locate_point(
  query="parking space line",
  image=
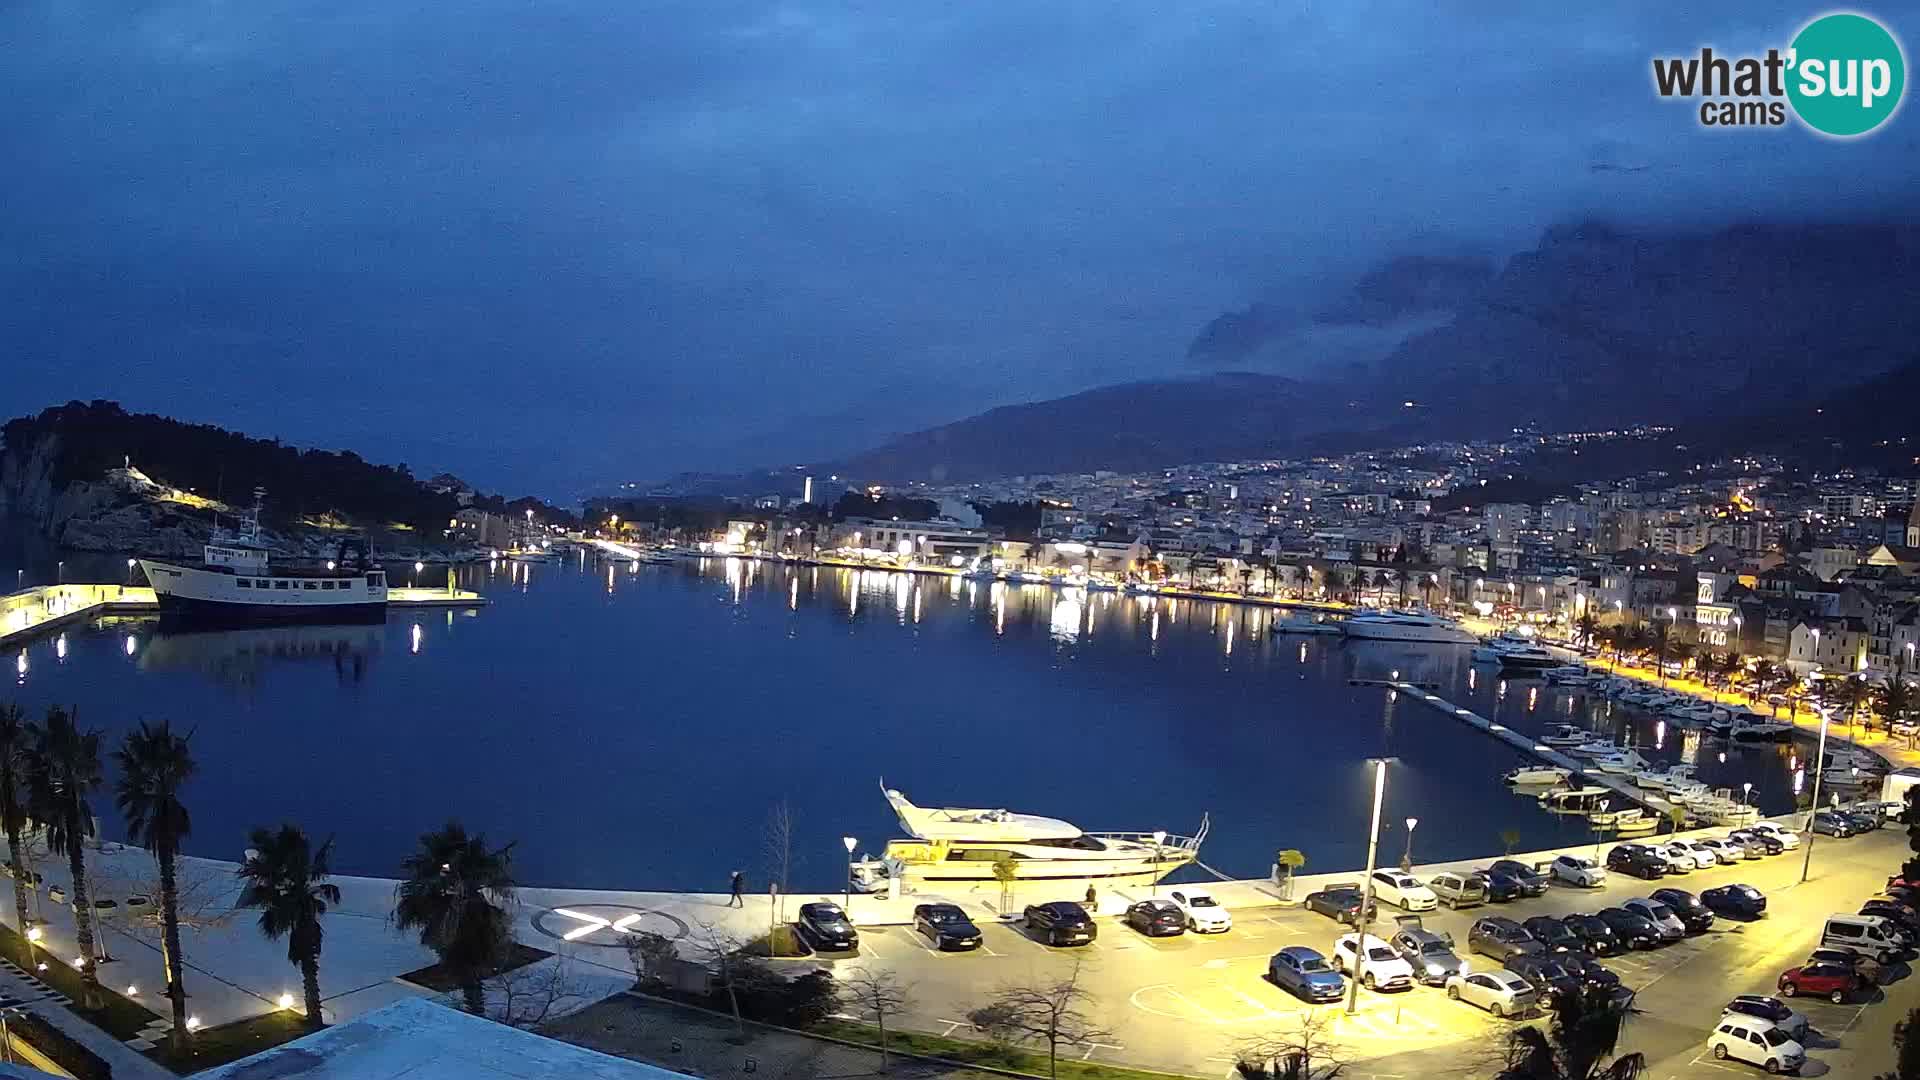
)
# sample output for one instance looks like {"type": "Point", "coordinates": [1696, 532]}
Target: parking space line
{"type": "Point", "coordinates": [1195, 1006]}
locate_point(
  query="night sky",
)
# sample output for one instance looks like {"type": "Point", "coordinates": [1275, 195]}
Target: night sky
{"type": "Point", "coordinates": [555, 245]}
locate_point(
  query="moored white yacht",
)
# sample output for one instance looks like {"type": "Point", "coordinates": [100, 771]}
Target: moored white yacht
{"type": "Point", "coordinates": [1568, 735]}
{"type": "Point", "coordinates": [235, 582]}
{"type": "Point", "coordinates": [1537, 774]}
{"type": "Point", "coordinates": [1406, 626]}
{"type": "Point", "coordinates": [963, 844]}
{"type": "Point", "coordinates": [1512, 651]}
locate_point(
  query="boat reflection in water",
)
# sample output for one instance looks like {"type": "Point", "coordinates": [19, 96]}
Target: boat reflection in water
{"type": "Point", "coordinates": [240, 657]}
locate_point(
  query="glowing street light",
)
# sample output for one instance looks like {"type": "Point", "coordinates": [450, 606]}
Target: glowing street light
{"type": "Point", "coordinates": [1819, 766]}
{"type": "Point", "coordinates": [1406, 857]}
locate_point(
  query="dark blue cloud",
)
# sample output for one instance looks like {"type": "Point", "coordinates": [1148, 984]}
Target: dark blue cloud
{"type": "Point", "coordinates": [557, 244]}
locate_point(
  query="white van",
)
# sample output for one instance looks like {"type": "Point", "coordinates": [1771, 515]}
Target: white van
{"type": "Point", "coordinates": [1871, 936]}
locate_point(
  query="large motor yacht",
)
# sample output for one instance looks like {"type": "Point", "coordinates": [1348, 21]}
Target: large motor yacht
{"type": "Point", "coordinates": [1406, 626]}
{"type": "Point", "coordinates": [958, 844]}
{"type": "Point", "coordinates": [235, 582]}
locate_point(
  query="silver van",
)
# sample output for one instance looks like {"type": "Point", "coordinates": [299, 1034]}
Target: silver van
{"type": "Point", "coordinates": [1871, 936]}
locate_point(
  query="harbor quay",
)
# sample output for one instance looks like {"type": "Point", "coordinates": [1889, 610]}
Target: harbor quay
{"type": "Point", "coordinates": [1179, 1004]}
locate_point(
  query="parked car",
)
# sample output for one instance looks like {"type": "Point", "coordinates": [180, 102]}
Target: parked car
{"type": "Point", "coordinates": [1670, 925]}
{"type": "Point", "coordinates": [1500, 937]}
{"type": "Point", "coordinates": [1599, 937]}
{"type": "Point", "coordinates": [1728, 851]}
{"type": "Point", "coordinates": [1828, 823]}
{"type": "Point", "coordinates": [1501, 993]}
{"type": "Point", "coordinates": [1869, 935]}
{"type": "Point", "coordinates": [1704, 854]}
{"type": "Point", "coordinates": [1384, 969]}
{"type": "Point", "coordinates": [1061, 922]}
{"type": "Point", "coordinates": [1553, 934]}
{"type": "Point", "coordinates": [945, 926]}
{"type": "Point", "coordinates": [1686, 907]}
{"type": "Point", "coordinates": [1902, 915]}
{"type": "Point", "coordinates": [1835, 982]}
{"type": "Point", "coordinates": [1638, 860]}
{"type": "Point", "coordinates": [1592, 971]}
{"type": "Point", "coordinates": [1157, 918]}
{"type": "Point", "coordinates": [825, 926]}
{"type": "Point", "coordinates": [1501, 887]}
{"type": "Point", "coordinates": [1204, 913]}
{"type": "Point", "coordinates": [1756, 1042]}
{"type": "Point", "coordinates": [1341, 903]}
{"type": "Point", "coordinates": [57, 894]}
{"type": "Point", "coordinates": [1430, 955]}
{"type": "Point", "coordinates": [1861, 820]}
{"type": "Point", "coordinates": [1578, 870]}
{"type": "Point", "coordinates": [1403, 891]}
{"type": "Point", "coordinates": [1765, 842]}
{"type": "Point", "coordinates": [1546, 973]}
{"type": "Point", "coordinates": [1636, 930]}
{"type": "Point", "coordinates": [1869, 968]}
{"type": "Point", "coordinates": [1306, 974]}
{"type": "Point", "coordinates": [1787, 837]}
{"type": "Point", "coordinates": [1742, 901]}
{"type": "Point", "coordinates": [1771, 1009]}
{"type": "Point", "coordinates": [1459, 890]}
{"type": "Point", "coordinates": [1532, 882]}
{"type": "Point", "coordinates": [1679, 853]}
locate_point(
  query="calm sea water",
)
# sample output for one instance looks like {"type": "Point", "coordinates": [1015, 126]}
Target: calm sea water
{"type": "Point", "coordinates": [635, 728]}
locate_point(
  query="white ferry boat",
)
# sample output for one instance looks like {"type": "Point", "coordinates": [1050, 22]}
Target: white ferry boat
{"type": "Point", "coordinates": [1406, 626]}
{"type": "Point", "coordinates": [961, 844]}
{"type": "Point", "coordinates": [235, 582]}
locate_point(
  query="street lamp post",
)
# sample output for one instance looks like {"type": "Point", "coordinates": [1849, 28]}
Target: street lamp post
{"type": "Point", "coordinates": [1363, 919]}
{"type": "Point", "coordinates": [1159, 837]}
{"type": "Point", "coordinates": [1406, 857]}
{"type": "Point", "coordinates": [851, 843]}
{"type": "Point", "coordinates": [1746, 792]}
{"type": "Point", "coordinates": [1819, 766]}
{"type": "Point", "coordinates": [130, 563]}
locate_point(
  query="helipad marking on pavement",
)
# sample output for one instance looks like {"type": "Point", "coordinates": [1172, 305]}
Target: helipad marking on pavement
{"type": "Point", "coordinates": [952, 1025]}
{"type": "Point", "coordinates": [1091, 1047]}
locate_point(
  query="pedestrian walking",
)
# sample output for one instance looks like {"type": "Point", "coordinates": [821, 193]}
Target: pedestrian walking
{"type": "Point", "coordinates": [1093, 898]}
{"type": "Point", "coordinates": [739, 883]}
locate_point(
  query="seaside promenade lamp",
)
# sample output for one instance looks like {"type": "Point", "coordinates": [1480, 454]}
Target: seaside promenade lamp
{"type": "Point", "coordinates": [851, 843]}
{"type": "Point", "coordinates": [1379, 767]}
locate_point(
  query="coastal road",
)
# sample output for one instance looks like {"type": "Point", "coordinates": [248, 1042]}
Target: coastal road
{"type": "Point", "coordinates": [1185, 1003]}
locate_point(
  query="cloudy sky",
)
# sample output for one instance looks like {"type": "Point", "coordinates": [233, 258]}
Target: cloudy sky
{"type": "Point", "coordinates": [555, 244]}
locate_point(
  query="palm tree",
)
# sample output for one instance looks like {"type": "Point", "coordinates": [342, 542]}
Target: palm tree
{"type": "Point", "coordinates": [13, 792]}
{"type": "Point", "coordinates": [452, 894]}
{"type": "Point", "coordinates": [1894, 698]}
{"type": "Point", "coordinates": [1578, 1043]}
{"type": "Point", "coordinates": [155, 764]}
{"type": "Point", "coordinates": [63, 765]}
{"type": "Point", "coordinates": [1332, 580]}
{"type": "Point", "coordinates": [287, 880]}
{"type": "Point", "coordinates": [1586, 626]}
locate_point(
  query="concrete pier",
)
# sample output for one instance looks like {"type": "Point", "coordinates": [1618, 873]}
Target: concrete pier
{"type": "Point", "coordinates": [1541, 751]}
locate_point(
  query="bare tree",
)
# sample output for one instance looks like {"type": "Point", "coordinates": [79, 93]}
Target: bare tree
{"type": "Point", "coordinates": [1040, 1012]}
{"type": "Point", "coordinates": [878, 993]}
{"type": "Point", "coordinates": [652, 955]}
{"type": "Point", "coordinates": [1307, 1051]}
{"type": "Point", "coordinates": [777, 845]}
{"type": "Point", "coordinates": [723, 953]}
{"type": "Point", "coordinates": [206, 893]}
{"type": "Point", "coordinates": [529, 996]}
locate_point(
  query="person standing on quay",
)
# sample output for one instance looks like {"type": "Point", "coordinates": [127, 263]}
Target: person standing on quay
{"type": "Point", "coordinates": [739, 883]}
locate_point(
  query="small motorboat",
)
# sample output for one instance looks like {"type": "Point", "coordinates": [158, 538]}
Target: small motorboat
{"type": "Point", "coordinates": [1624, 761]}
{"type": "Point", "coordinates": [1537, 774]}
{"type": "Point", "coordinates": [1568, 735]}
{"type": "Point", "coordinates": [1595, 748]}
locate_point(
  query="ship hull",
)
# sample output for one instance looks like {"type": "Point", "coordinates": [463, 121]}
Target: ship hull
{"type": "Point", "coordinates": [193, 594]}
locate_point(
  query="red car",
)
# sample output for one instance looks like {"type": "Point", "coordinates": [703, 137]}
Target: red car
{"type": "Point", "coordinates": [1833, 981]}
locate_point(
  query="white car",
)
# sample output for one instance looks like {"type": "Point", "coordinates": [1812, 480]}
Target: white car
{"type": "Point", "coordinates": [1681, 853]}
{"type": "Point", "coordinates": [1499, 991]}
{"type": "Point", "coordinates": [1385, 969]}
{"type": "Point", "coordinates": [1403, 890]}
{"type": "Point", "coordinates": [1578, 870]}
{"type": "Point", "coordinates": [1787, 837]}
{"type": "Point", "coordinates": [1756, 1042]}
{"type": "Point", "coordinates": [1204, 913]}
{"type": "Point", "coordinates": [1706, 854]}
{"type": "Point", "coordinates": [1727, 851]}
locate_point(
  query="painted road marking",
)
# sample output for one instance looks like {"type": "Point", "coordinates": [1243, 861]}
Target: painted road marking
{"type": "Point", "coordinates": [1091, 1047]}
{"type": "Point", "coordinates": [952, 1025]}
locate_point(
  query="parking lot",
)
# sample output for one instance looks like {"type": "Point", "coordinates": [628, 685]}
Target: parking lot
{"type": "Point", "coordinates": [1185, 1003]}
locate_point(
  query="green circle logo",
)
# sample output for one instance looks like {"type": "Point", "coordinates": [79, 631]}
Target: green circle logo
{"type": "Point", "coordinates": [1848, 74]}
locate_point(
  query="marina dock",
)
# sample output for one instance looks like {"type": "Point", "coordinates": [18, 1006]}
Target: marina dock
{"type": "Point", "coordinates": [45, 608]}
{"type": "Point", "coordinates": [1545, 753]}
